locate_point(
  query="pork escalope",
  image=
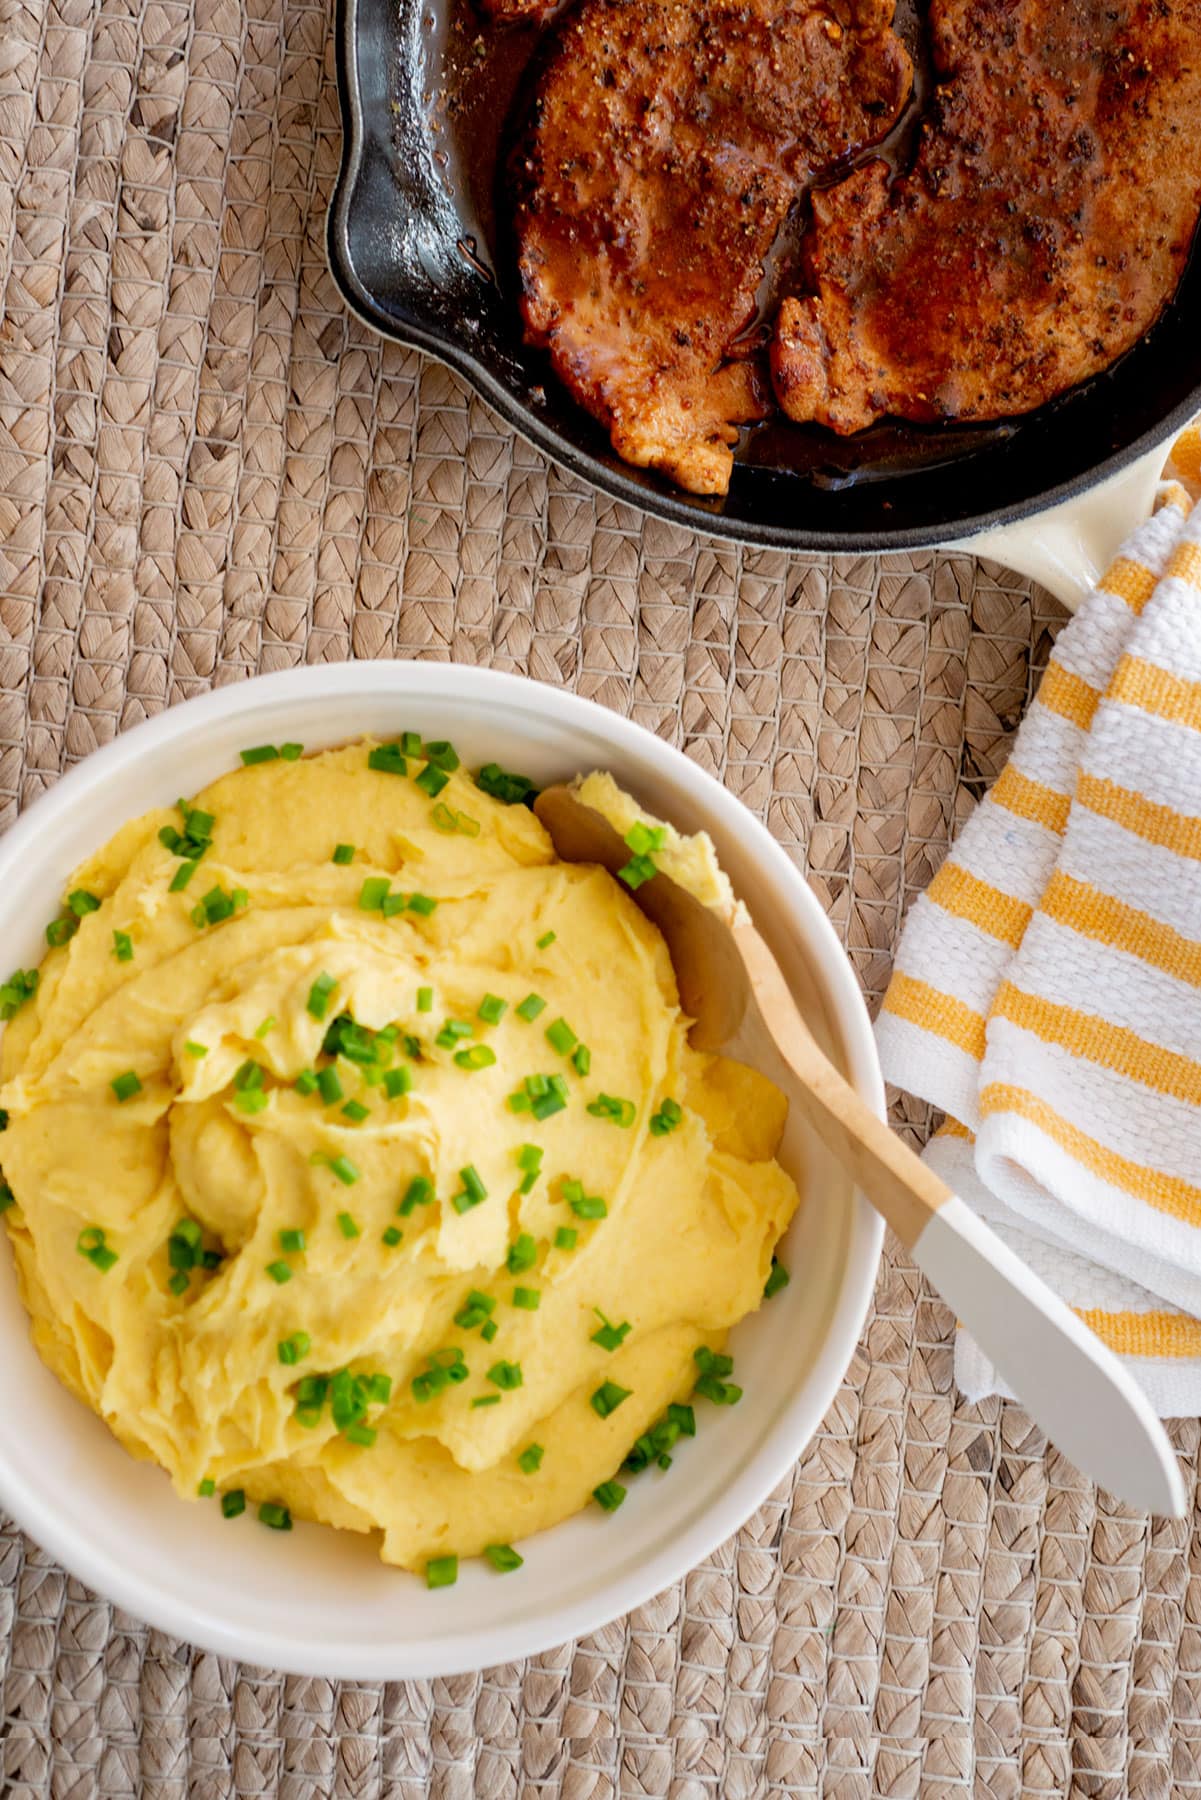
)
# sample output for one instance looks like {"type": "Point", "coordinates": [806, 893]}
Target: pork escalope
{"type": "Point", "coordinates": [667, 141]}
{"type": "Point", "coordinates": [1043, 227]}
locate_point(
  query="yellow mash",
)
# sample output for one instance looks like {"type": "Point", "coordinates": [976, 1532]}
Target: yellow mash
{"type": "Point", "coordinates": [147, 1229]}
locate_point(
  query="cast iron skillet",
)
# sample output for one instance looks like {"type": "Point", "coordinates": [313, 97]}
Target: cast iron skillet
{"type": "Point", "coordinates": [413, 247]}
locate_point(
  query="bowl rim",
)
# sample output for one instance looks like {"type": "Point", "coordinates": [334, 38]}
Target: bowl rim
{"type": "Point", "coordinates": [791, 1432]}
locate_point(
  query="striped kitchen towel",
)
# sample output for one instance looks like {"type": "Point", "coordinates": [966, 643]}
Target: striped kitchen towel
{"type": "Point", "coordinates": [1047, 990]}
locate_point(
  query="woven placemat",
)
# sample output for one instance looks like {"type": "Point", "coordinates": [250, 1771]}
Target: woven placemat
{"type": "Point", "coordinates": [207, 469]}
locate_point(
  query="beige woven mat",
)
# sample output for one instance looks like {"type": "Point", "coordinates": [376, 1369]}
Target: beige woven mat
{"type": "Point", "coordinates": [206, 469]}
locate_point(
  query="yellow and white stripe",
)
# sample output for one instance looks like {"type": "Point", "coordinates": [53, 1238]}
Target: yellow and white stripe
{"type": "Point", "coordinates": [1047, 990]}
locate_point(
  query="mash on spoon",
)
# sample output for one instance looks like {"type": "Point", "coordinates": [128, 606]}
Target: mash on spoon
{"type": "Point", "coordinates": [358, 1167]}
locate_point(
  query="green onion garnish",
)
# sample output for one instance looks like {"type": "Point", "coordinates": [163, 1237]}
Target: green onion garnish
{"type": "Point", "coordinates": [344, 1169]}
{"type": "Point", "coordinates": [207, 1488]}
{"type": "Point", "coordinates": [713, 1367]}
{"type": "Point", "coordinates": [492, 1009]}
{"type": "Point", "coordinates": [279, 1272]}
{"type": "Point", "coordinates": [373, 893]}
{"type": "Point", "coordinates": [320, 995]}
{"type": "Point", "coordinates": [425, 999]}
{"type": "Point", "coordinates": [442, 754]}
{"type": "Point", "coordinates": [248, 1075]}
{"type": "Point", "coordinates": [644, 839]}
{"type": "Point", "coordinates": [486, 1400]}
{"type": "Point", "coordinates": [262, 753]}
{"type": "Point", "coordinates": [329, 1084]}
{"type": "Point", "coordinates": [307, 1082]}
{"type": "Point", "coordinates": [393, 904]}
{"type": "Point", "coordinates": [182, 876]}
{"type": "Point", "coordinates": [277, 1517]}
{"type": "Point", "coordinates": [561, 1037]}
{"type": "Point", "coordinates": [391, 1236]}
{"type": "Point", "coordinates": [398, 1082]}
{"type": "Point", "coordinates": [410, 743]}
{"type": "Point", "coordinates": [488, 1331]}
{"type": "Point", "coordinates": [431, 780]}
{"type": "Point", "coordinates": [364, 1435]}
{"type": "Point", "coordinates": [292, 1348]}
{"type": "Point", "coordinates": [21, 986]}
{"type": "Point", "coordinates": [195, 1049]}
{"type": "Point", "coordinates": [777, 1279]}
{"type": "Point", "coordinates": [589, 1206]}
{"type": "Point", "coordinates": [252, 1100]}
{"type": "Point", "coordinates": [441, 1571]}
{"type": "Point", "coordinates": [528, 1299]}
{"type": "Point", "coordinates": [422, 904]}
{"type": "Point", "coordinates": [523, 1254]}
{"type": "Point", "coordinates": [474, 1310]}
{"type": "Point", "coordinates": [7, 1197]}
{"type": "Point", "coordinates": [530, 1459]}
{"type": "Point", "coordinates": [420, 1192]}
{"type": "Point", "coordinates": [126, 1086]}
{"type": "Point", "coordinates": [442, 1368]}
{"type": "Point", "coordinates": [666, 1119]}
{"type": "Point", "coordinates": [233, 1503]}
{"type": "Point", "coordinates": [92, 1244]}
{"type": "Point", "coordinates": [343, 854]}
{"type": "Point", "coordinates": [470, 1177]}
{"type": "Point", "coordinates": [609, 1106]}
{"type": "Point", "coordinates": [268, 1025]}
{"type": "Point", "coordinates": [122, 946]}
{"type": "Point", "coordinates": [291, 752]}
{"type": "Point", "coordinates": [607, 1398]}
{"type": "Point", "coordinates": [506, 1375]}
{"type": "Point", "coordinates": [356, 1112]}
{"type": "Point", "coordinates": [581, 1059]}
{"type": "Point", "coordinates": [638, 870]}
{"type": "Point", "coordinates": [546, 940]}
{"type": "Point", "coordinates": [609, 1495]}
{"type": "Point", "coordinates": [530, 1007]}
{"type": "Point", "coordinates": [566, 1238]}
{"type": "Point", "coordinates": [503, 785]}
{"type": "Point", "coordinates": [477, 1056]}
{"type": "Point", "coordinates": [291, 1240]}
{"type": "Point", "coordinates": [451, 1032]}
{"type": "Point", "coordinates": [503, 1557]}
{"type": "Point", "coordinates": [609, 1336]}
{"type": "Point", "coordinates": [388, 759]}
{"type": "Point", "coordinates": [60, 932]}
{"type": "Point", "coordinates": [80, 902]}
{"type": "Point", "coordinates": [347, 1226]}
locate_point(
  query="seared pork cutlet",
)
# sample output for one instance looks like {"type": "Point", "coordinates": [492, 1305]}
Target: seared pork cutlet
{"type": "Point", "coordinates": [668, 139]}
{"type": "Point", "coordinates": [1044, 225]}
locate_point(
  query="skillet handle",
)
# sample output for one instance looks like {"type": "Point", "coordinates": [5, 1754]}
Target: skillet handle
{"type": "Point", "coordinates": [1068, 548]}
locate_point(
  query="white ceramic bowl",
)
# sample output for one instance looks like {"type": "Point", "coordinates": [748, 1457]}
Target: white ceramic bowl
{"type": "Point", "coordinates": [316, 1601]}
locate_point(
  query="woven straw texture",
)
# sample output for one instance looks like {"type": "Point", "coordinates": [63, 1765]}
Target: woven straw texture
{"type": "Point", "coordinates": [205, 470]}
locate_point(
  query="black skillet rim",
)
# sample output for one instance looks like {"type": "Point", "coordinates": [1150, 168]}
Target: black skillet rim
{"type": "Point", "coordinates": [626, 489]}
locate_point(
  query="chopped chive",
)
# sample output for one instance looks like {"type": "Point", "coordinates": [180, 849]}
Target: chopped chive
{"type": "Point", "coordinates": [530, 1459]}
{"type": "Point", "coordinates": [642, 839]}
{"type": "Point", "coordinates": [425, 999]}
{"type": "Point", "coordinates": [262, 753]}
{"type": "Point", "coordinates": [589, 1206]}
{"type": "Point", "coordinates": [442, 754]}
{"type": "Point", "coordinates": [474, 1310]}
{"type": "Point", "coordinates": [503, 785]}
{"type": "Point", "coordinates": [398, 1082]}
{"type": "Point", "coordinates": [523, 1254]}
{"type": "Point", "coordinates": [393, 905]}
{"type": "Point", "coordinates": [609, 1495]}
{"type": "Point", "coordinates": [464, 1202]}
{"type": "Point", "coordinates": [60, 932]}
{"type": "Point", "coordinates": [7, 1197]}
{"type": "Point", "coordinates": [320, 995]}
{"type": "Point", "coordinates": [488, 1331]}
{"type": "Point", "coordinates": [420, 1192]}
{"type": "Point", "coordinates": [477, 1056]}
{"type": "Point", "coordinates": [279, 1271]}
{"type": "Point", "coordinates": [80, 902]}
{"type": "Point", "coordinates": [527, 1299]}
{"type": "Point", "coordinates": [291, 1239]}
{"type": "Point", "coordinates": [713, 1367]}
{"type": "Point", "coordinates": [207, 1488]}
{"type": "Point", "coordinates": [21, 986]}
{"type": "Point", "coordinates": [607, 1398]}
{"type": "Point", "coordinates": [179, 1282]}
{"type": "Point", "coordinates": [431, 780]}
{"type": "Point", "coordinates": [344, 1169]}
{"type": "Point", "coordinates": [329, 1084]}
{"type": "Point", "coordinates": [195, 1049]}
{"type": "Point", "coordinates": [684, 1417]}
{"type": "Point", "coordinates": [666, 1119]}
{"type": "Point", "coordinates": [182, 876]}
{"type": "Point", "coordinates": [503, 1557]}
{"type": "Point", "coordinates": [268, 1025]}
{"type": "Point", "coordinates": [291, 1349]}
{"type": "Point", "coordinates": [422, 904]}
{"type": "Point", "coordinates": [251, 1100]}
{"type": "Point", "coordinates": [518, 1102]}
{"type": "Point", "coordinates": [777, 1279]}
{"type": "Point", "coordinates": [122, 946]}
{"type": "Point", "coordinates": [506, 1375]}
{"type": "Point", "coordinates": [566, 1237]}
{"type": "Point", "coordinates": [388, 759]}
{"type": "Point", "coordinates": [276, 1517]}
{"type": "Point", "coordinates": [452, 1031]}
{"type": "Point", "coordinates": [470, 1177]}
{"type": "Point", "coordinates": [410, 743]}
{"type": "Point", "coordinates": [486, 1400]}
{"type": "Point", "coordinates": [391, 1236]}
{"type": "Point", "coordinates": [561, 1037]}
{"type": "Point", "coordinates": [546, 940]}
{"type": "Point", "coordinates": [307, 1082]}
{"type": "Point", "coordinates": [529, 1157]}
{"type": "Point", "coordinates": [125, 1086]}
{"type": "Point", "coordinates": [291, 752]}
{"type": "Point", "coordinates": [445, 818]}
{"type": "Point", "coordinates": [347, 1226]}
{"type": "Point", "coordinates": [248, 1075]}
{"type": "Point", "coordinates": [441, 1571]}
{"type": "Point", "coordinates": [492, 1009]}
{"type": "Point", "coordinates": [373, 893]}
{"type": "Point", "coordinates": [364, 1435]}
{"type": "Point", "coordinates": [233, 1503]}
{"type": "Point", "coordinates": [609, 1336]}
{"type": "Point", "coordinates": [530, 1007]}
{"type": "Point", "coordinates": [356, 1112]}
{"type": "Point", "coordinates": [581, 1059]}
{"type": "Point", "coordinates": [343, 854]}
{"type": "Point", "coordinates": [618, 1111]}
{"type": "Point", "coordinates": [639, 869]}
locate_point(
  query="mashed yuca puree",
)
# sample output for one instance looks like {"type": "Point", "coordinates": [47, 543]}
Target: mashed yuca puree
{"type": "Point", "coordinates": [359, 1166]}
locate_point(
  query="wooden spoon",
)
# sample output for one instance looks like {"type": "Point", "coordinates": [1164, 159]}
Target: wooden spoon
{"type": "Point", "coordinates": [733, 989]}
